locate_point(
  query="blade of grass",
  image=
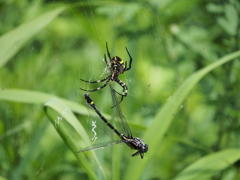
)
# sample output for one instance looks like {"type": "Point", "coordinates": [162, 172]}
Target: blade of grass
{"type": "Point", "coordinates": [71, 131]}
{"type": "Point", "coordinates": [15, 39]}
{"type": "Point", "coordinates": [25, 161]}
{"type": "Point", "coordinates": [35, 97]}
{"type": "Point", "coordinates": [15, 130]}
{"type": "Point", "coordinates": [116, 163]}
{"type": "Point", "coordinates": [12, 41]}
{"type": "Point", "coordinates": [164, 117]}
{"type": "Point", "coordinates": [209, 165]}
{"type": "Point", "coordinates": [61, 107]}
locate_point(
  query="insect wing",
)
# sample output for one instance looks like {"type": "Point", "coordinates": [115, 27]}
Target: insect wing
{"type": "Point", "coordinates": [101, 145]}
{"type": "Point", "coordinates": [121, 122]}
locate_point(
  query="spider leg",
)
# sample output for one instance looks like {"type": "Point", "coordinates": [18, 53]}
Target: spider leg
{"type": "Point", "coordinates": [96, 81]}
{"type": "Point", "coordinates": [124, 92]}
{"type": "Point", "coordinates": [118, 101]}
{"type": "Point", "coordinates": [105, 59]}
{"type": "Point", "coordinates": [124, 86]}
{"type": "Point", "coordinates": [130, 64]}
{"type": "Point", "coordinates": [98, 87]}
{"type": "Point", "coordinates": [117, 92]}
{"type": "Point", "coordinates": [109, 56]}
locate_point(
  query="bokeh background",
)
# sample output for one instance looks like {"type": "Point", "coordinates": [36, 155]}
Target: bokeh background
{"type": "Point", "coordinates": [46, 46]}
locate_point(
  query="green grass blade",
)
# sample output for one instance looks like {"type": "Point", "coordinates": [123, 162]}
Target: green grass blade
{"type": "Point", "coordinates": [164, 117]}
{"type": "Point", "coordinates": [14, 40]}
{"type": "Point", "coordinates": [2, 178]}
{"type": "Point", "coordinates": [209, 165]}
{"type": "Point", "coordinates": [15, 130]}
{"type": "Point", "coordinates": [58, 107]}
{"type": "Point", "coordinates": [35, 97]}
{"type": "Point", "coordinates": [72, 132]}
{"type": "Point", "coordinates": [23, 165]}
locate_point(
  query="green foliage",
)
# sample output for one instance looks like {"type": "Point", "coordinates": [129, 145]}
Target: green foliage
{"type": "Point", "coordinates": [183, 96]}
{"type": "Point", "coordinates": [209, 165]}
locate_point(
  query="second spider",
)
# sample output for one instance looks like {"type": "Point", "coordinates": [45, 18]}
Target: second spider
{"type": "Point", "coordinates": [116, 67]}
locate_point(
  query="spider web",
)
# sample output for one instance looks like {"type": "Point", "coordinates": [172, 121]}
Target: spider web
{"type": "Point", "coordinates": [75, 49]}
{"type": "Point", "coordinates": [168, 40]}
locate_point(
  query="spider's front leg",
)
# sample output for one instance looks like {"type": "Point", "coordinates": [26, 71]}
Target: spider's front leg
{"type": "Point", "coordinates": [109, 56]}
{"type": "Point", "coordinates": [105, 59]}
{"type": "Point", "coordinates": [130, 64]}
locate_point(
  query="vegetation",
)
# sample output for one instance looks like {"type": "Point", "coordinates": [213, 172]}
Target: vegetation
{"type": "Point", "coordinates": [183, 98]}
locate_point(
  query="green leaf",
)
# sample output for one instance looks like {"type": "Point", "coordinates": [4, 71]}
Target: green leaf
{"type": "Point", "coordinates": [165, 115]}
{"type": "Point", "coordinates": [35, 97]}
{"type": "Point", "coordinates": [230, 22]}
{"type": "Point", "coordinates": [70, 130]}
{"type": "Point", "coordinates": [14, 40]}
{"type": "Point", "coordinates": [60, 114]}
{"type": "Point", "coordinates": [209, 165]}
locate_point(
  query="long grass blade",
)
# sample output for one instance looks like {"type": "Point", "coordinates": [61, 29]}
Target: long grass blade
{"type": "Point", "coordinates": [71, 131]}
{"type": "Point", "coordinates": [15, 39]}
{"type": "Point", "coordinates": [209, 165]}
{"type": "Point", "coordinates": [164, 117]}
{"type": "Point", "coordinates": [35, 97]}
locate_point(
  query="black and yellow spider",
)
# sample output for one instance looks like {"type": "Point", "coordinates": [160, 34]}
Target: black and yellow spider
{"type": "Point", "coordinates": [116, 67]}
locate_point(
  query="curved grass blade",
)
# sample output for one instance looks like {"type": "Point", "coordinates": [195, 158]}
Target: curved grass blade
{"type": "Point", "coordinates": [15, 39]}
{"type": "Point", "coordinates": [56, 107]}
{"type": "Point", "coordinates": [12, 41]}
{"type": "Point", "coordinates": [164, 116]}
{"type": "Point", "coordinates": [35, 97]}
{"type": "Point", "coordinates": [209, 165]}
{"type": "Point", "coordinates": [71, 131]}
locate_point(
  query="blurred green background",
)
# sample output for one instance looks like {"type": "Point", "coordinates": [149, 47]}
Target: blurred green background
{"type": "Point", "coordinates": [47, 46]}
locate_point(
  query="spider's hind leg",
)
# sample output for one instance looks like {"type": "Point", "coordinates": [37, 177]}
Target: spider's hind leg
{"type": "Point", "coordinates": [124, 92]}
{"type": "Point", "coordinates": [118, 101]}
{"type": "Point", "coordinates": [124, 86]}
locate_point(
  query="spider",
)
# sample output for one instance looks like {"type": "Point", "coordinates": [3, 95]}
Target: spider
{"type": "Point", "coordinates": [116, 67]}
